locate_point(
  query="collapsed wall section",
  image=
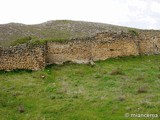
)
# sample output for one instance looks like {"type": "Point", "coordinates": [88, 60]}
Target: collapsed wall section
{"type": "Point", "coordinates": [22, 57]}
{"type": "Point", "coordinates": [77, 51]}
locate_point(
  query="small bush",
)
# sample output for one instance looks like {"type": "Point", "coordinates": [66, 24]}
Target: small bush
{"type": "Point", "coordinates": [133, 32]}
{"type": "Point", "coordinates": [21, 41]}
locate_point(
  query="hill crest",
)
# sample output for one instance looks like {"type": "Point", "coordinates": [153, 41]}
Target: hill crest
{"type": "Point", "coordinates": [64, 29]}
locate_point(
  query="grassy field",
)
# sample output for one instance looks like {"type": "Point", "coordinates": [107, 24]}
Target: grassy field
{"type": "Point", "coordinates": [106, 91]}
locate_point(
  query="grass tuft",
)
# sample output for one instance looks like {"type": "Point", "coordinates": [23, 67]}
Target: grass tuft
{"type": "Point", "coordinates": [142, 89]}
{"type": "Point", "coordinates": [117, 72]}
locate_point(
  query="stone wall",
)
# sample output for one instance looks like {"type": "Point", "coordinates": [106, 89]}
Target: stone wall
{"type": "Point", "coordinates": [109, 45]}
{"type": "Point", "coordinates": [149, 42]}
{"type": "Point", "coordinates": [103, 46]}
{"type": "Point", "coordinates": [99, 47]}
{"type": "Point", "coordinates": [22, 57]}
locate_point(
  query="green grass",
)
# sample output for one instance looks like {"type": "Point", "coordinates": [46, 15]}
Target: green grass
{"type": "Point", "coordinates": [34, 41]}
{"type": "Point", "coordinates": [21, 41]}
{"type": "Point", "coordinates": [83, 92]}
{"type": "Point", "coordinates": [43, 41]}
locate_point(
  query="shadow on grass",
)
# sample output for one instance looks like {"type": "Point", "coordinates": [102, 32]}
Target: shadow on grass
{"type": "Point", "coordinates": [15, 71]}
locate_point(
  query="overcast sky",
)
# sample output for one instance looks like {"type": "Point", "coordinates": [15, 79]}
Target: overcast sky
{"type": "Point", "coordinates": [132, 13]}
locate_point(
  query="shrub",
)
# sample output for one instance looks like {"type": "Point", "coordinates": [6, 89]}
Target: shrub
{"type": "Point", "coordinates": [133, 32]}
{"type": "Point", "coordinates": [35, 41]}
{"type": "Point", "coordinates": [21, 41]}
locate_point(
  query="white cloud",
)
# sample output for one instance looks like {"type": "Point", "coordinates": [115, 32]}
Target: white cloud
{"type": "Point", "coordinates": [155, 7]}
{"type": "Point", "coordinates": [149, 20]}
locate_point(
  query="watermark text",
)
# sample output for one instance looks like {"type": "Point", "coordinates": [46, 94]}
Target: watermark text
{"type": "Point", "coordinates": [137, 115]}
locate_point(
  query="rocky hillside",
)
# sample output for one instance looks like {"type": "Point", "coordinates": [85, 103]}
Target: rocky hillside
{"type": "Point", "coordinates": [64, 29]}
